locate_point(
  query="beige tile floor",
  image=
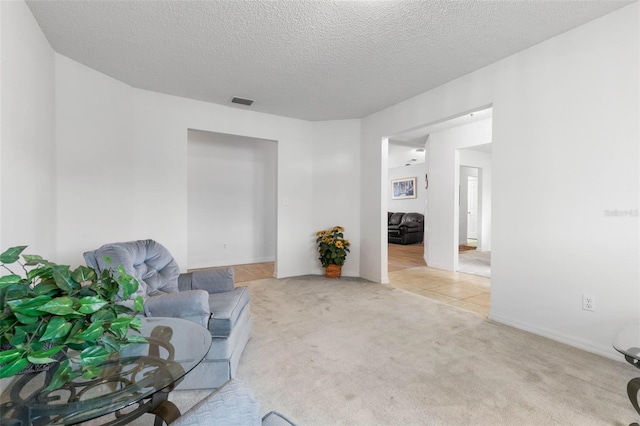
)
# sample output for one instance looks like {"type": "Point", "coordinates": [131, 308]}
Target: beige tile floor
{"type": "Point", "coordinates": [470, 292]}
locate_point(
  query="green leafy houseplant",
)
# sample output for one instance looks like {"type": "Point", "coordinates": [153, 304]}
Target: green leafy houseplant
{"type": "Point", "coordinates": [50, 312]}
{"type": "Point", "coordinates": [332, 246]}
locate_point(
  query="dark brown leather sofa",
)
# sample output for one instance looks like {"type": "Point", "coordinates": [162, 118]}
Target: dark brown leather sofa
{"type": "Point", "coordinates": [405, 228]}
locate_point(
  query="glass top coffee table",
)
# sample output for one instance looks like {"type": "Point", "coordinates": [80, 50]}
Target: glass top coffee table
{"type": "Point", "coordinates": [627, 342]}
{"type": "Point", "coordinates": [137, 379]}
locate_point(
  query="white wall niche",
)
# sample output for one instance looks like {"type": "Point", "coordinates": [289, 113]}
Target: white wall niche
{"type": "Point", "coordinates": [231, 198]}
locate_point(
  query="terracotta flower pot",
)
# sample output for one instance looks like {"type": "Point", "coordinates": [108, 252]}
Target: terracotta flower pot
{"type": "Point", "coordinates": [333, 271]}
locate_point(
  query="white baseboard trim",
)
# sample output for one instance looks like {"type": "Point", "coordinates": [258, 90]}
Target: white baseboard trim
{"type": "Point", "coordinates": [607, 352]}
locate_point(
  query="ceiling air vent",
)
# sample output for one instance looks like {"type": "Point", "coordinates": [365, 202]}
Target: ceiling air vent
{"type": "Point", "coordinates": [241, 101]}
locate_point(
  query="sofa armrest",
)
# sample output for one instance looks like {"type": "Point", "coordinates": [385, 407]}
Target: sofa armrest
{"type": "Point", "coordinates": [192, 305]}
{"type": "Point", "coordinates": [231, 404]}
{"type": "Point", "coordinates": [214, 280]}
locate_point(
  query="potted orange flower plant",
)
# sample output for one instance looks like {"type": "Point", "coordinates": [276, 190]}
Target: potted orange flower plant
{"type": "Point", "coordinates": [333, 249]}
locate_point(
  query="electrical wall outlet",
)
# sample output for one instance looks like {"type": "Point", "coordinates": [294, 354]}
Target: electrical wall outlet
{"type": "Point", "coordinates": [588, 303]}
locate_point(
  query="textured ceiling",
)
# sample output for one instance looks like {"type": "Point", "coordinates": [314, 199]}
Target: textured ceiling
{"type": "Point", "coordinates": [314, 60]}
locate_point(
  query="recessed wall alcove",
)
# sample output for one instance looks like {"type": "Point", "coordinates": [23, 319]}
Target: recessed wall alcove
{"type": "Point", "coordinates": [231, 199]}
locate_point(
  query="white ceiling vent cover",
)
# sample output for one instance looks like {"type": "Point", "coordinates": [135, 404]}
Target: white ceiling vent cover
{"type": "Point", "coordinates": [241, 101]}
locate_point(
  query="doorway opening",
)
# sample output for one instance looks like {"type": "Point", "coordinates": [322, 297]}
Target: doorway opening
{"type": "Point", "coordinates": [232, 207]}
{"type": "Point", "coordinates": [473, 258]}
{"type": "Point", "coordinates": [460, 141]}
{"type": "Point", "coordinates": [406, 163]}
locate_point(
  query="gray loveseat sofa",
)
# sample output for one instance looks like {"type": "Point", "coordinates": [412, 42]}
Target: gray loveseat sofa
{"type": "Point", "coordinates": [208, 297]}
{"type": "Point", "coordinates": [232, 405]}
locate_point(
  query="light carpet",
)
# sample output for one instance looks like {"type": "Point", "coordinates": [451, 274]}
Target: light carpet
{"type": "Point", "coordinates": [350, 352]}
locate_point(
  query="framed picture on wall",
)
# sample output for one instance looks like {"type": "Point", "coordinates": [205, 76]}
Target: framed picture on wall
{"type": "Point", "coordinates": [403, 188]}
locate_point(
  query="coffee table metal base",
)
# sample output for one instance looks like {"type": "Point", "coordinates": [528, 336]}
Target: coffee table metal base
{"type": "Point", "coordinates": [164, 410]}
{"type": "Point", "coordinates": [633, 387]}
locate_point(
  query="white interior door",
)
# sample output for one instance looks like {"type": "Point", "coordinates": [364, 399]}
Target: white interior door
{"type": "Point", "coordinates": [472, 206]}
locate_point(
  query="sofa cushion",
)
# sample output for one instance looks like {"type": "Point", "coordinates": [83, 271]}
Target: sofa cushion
{"type": "Point", "coordinates": [413, 217]}
{"type": "Point", "coordinates": [226, 308]}
{"type": "Point", "coordinates": [396, 218]}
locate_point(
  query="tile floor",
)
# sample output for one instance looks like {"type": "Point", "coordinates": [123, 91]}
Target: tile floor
{"type": "Point", "coordinates": [470, 292]}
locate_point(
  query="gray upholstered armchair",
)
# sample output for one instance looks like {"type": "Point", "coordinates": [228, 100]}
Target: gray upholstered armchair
{"type": "Point", "coordinates": [208, 297]}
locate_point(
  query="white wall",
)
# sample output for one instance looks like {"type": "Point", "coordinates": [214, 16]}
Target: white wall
{"type": "Point", "coordinates": [336, 187]}
{"type": "Point", "coordinates": [96, 159]}
{"type": "Point", "coordinates": [27, 139]}
{"type": "Point", "coordinates": [565, 149]}
{"type": "Point", "coordinates": [483, 162]}
{"type": "Point", "coordinates": [231, 199]}
{"type": "Point", "coordinates": [410, 204]}
{"type": "Point", "coordinates": [136, 143]}
{"type": "Point", "coordinates": [443, 167]}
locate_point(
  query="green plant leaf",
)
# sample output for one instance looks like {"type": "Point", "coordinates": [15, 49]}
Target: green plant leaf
{"type": "Point", "coordinates": [44, 273]}
{"type": "Point", "coordinates": [93, 356]}
{"type": "Point", "coordinates": [108, 284]}
{"type": "Point", "coordinates": [138, 304]}
{"type": "Point", "coordinates": [40, 360]}
{"type": "Point", "coordinates": [63, 279]}
{"type": "Point", "coordinates": [76, 328]}
{"type": "Point", "coordinates": [120, 323]}
{"type": "Point", "coordinates": [57, 328]}
{"type": "Point", "coordinates": [13, 292]}
{"type": "Point", "coordinates": [91, 304]}
{"type": "Point", "coordinates": [45, 287]}
{"type": "Point", "coordinates": [9, 279]}
{"type": "Point", "coordinates": [91, 373]}
{"type": "Point", "coordinates": [29, 306]}
{"type": "Point", "coordinates": [135, 338]}
{"type": "Point", "coordinates": [10, 355]}
{"type": "Point", "coordinates": [61, 376]}
{"type": "Point", "coordinates": [77, 344]}
{"type": "Point", "coordinates": [126, 283]}
{"type": "Point", "coordinates": [92, 333]}
{"type": "Point", "coordinates": [32, 259]}
{"type": "Point", "coordinates": [12, 254]}
{"type": "Point", "coordinates": [48, 352]}
{"type": "Point", "coordinates": [59, 306]}
{"type": "Point", "coordinates": [111, 344]}
{"type": "Point", "coordinates": [26, 319]}
{"type": "Point", "coordinates": [30, 328]}
{"type": "Point", "coordinates": [83, 273]}
{"type": "Point", "coordinates": [103, 315]}
{"type": "Point", "coordinates": [121, 309]}
{"type": "Point", "coordinates": [13, 367]}
{"type": "Point", "coordinates": [19, 337]}
{"type": "Point", "coordinates": [136, 323]}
